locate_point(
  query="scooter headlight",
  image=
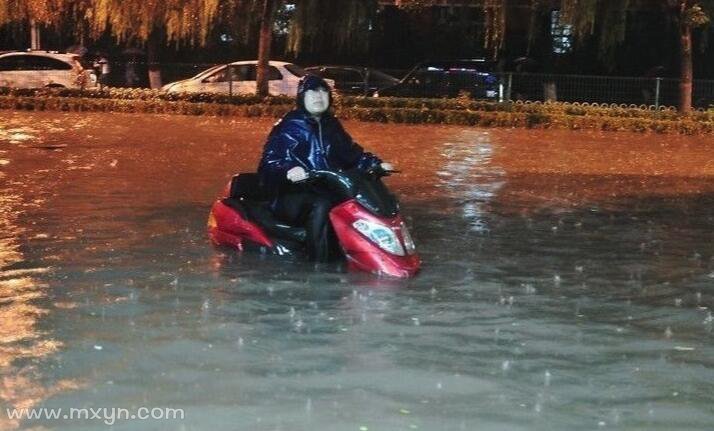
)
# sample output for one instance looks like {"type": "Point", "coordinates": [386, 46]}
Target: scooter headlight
{"type": "Point", "coordinates": [381, 235]}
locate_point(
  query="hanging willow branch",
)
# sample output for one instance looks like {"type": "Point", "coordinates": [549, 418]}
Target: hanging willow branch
{"type": "Point", "coordinates": [46, 12]}
{"type": "Point", "coordinates": [188, 20]}
{"type": "Point", "coordinates": [338, 25]}
{"type": "Point", "coordinates": [581, 15]}
{"type": "Point", "coordinates": [615, 20]}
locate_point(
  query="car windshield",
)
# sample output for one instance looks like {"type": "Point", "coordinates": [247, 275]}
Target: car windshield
{"type": "Point", "coordinates": [296, 70]}
{"type": "Point", "coordinates": [206, 71]}
{"type": "Point", "coordinates": [377, 76]}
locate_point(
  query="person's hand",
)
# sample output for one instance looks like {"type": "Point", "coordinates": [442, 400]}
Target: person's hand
{"type": "Point", "coordinates": [387, 167]}
{"type": "Point", "coordinates": [297, 174]}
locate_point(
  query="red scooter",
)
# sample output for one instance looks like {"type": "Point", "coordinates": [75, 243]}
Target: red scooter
{"type": "Point", "coordinates": [366, 220]}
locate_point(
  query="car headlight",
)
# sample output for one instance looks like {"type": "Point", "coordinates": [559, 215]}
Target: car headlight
{"type": "Point", "coordinates": [375, 94]}
{"type": "Point", "coordinates": [381, 235]}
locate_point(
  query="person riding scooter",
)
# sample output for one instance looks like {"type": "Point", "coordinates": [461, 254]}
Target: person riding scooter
{"type": "Point", "coordinates": [306, 139]}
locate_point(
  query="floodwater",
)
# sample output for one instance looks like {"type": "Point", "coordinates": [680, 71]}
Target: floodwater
{"type": "Point", "coordinates": [568, 284]}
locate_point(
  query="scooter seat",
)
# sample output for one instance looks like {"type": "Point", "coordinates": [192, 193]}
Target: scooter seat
{"type": "Point", "coordinates": [249, 198]}
{"type": "Point", "coordinates": [247, 186]}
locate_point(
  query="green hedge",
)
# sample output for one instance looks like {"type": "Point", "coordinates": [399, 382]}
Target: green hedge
{"type": "Point", "coordinates": [459, 111]}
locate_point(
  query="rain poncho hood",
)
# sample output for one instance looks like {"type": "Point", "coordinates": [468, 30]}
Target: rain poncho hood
{"type": "Point", "coordinates": [310, 82]}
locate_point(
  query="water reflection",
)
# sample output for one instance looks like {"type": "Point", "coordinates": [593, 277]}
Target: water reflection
{"type": "Point", "coordinates": [469, 176]}
{"type": "Point", "coordinates": [22, 342]}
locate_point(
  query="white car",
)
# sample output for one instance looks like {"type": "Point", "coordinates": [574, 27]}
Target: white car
{"type": "Point", "coordinates": [283, 79]}
{"type": "Point", "coordinates": [35, 69]}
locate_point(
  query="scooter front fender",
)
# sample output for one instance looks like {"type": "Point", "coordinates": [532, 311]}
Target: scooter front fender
{"type": "Point", "coordinates": [362, 253]}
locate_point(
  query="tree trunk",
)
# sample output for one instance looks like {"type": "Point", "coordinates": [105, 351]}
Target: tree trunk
{"type": "Point", "coordinates": [266, 39]}
{"type": "Point", "coordinates": [152, 57]}
{"type": "Point", "coordinates": [34, 35]}
{"type": "Point", "coordinates": [686, 69]}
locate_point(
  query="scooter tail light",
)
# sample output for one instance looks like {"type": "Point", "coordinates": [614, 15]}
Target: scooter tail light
{"type": "Point", "coordinates": [381, 235]}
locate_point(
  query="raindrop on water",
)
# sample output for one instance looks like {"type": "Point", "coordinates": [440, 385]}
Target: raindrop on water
{"type": "Point", "coordinates": [678, 302]}
{"type": "Point", "coordinates": [668, 332]}
{"type": "Point", "coordinates": [529, 288]}
{"type": "Point", "coordinates": [546, 378]}
{"type": "Point", "coordinates": [506, 365]}
{"type": "Point", "coordinates": [299, 324]}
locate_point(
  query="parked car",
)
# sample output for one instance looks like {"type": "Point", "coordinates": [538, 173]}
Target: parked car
{"type": "Point", "coordinates": [34, 69]}
{"type": "Point", "coordinates": [447, 79]}
{"type": "Point", "coordinates": [239, 78]}
{"type": "Point", "coordinates": [356, 80]}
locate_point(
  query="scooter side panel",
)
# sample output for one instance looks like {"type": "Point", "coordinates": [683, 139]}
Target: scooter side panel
{"type": "Point", "coordinates": [226, 226]}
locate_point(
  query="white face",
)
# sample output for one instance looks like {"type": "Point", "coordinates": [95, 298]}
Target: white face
{"type": "Point", "coordinates": [317, 101]}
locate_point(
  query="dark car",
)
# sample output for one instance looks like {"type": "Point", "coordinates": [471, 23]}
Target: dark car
{"type": "Point", "coordinates": [354, 80]}
{"type": "Point", "coordinates": [475, 78]}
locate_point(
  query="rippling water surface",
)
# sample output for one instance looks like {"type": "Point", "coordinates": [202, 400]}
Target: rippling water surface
{"type": "Point", "coordinates": [567, 284]}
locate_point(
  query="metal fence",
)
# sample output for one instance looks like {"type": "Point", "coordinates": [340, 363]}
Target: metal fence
{"type": "Point", "coordinates": [520, 86]}
{"type": "Point", "coordinates": [513, 86]}
{"type": "Point", "coordinates": [603, 89]}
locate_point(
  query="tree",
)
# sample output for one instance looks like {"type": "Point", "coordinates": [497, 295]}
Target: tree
{"type": "Point", "coordinates": [333, 25]}
{"type": "Point", "coordinates": [609, 17]}
{"type": "Point", "coordinates": [144, 21]}
{"type": "Point", "coordinates": [36, 13]}
{"type": "Point", "coordinates": [267, 16]}
{"type": "Point", "coordinates": [690, 15]}
{"type": "Point", "coordinates": [150, 21]}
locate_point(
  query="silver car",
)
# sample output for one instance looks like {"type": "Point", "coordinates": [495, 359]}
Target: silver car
{"type": "Point", "coordinates": [36, 69]}
{"type": "Point", "coordinates": [239, 78]}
